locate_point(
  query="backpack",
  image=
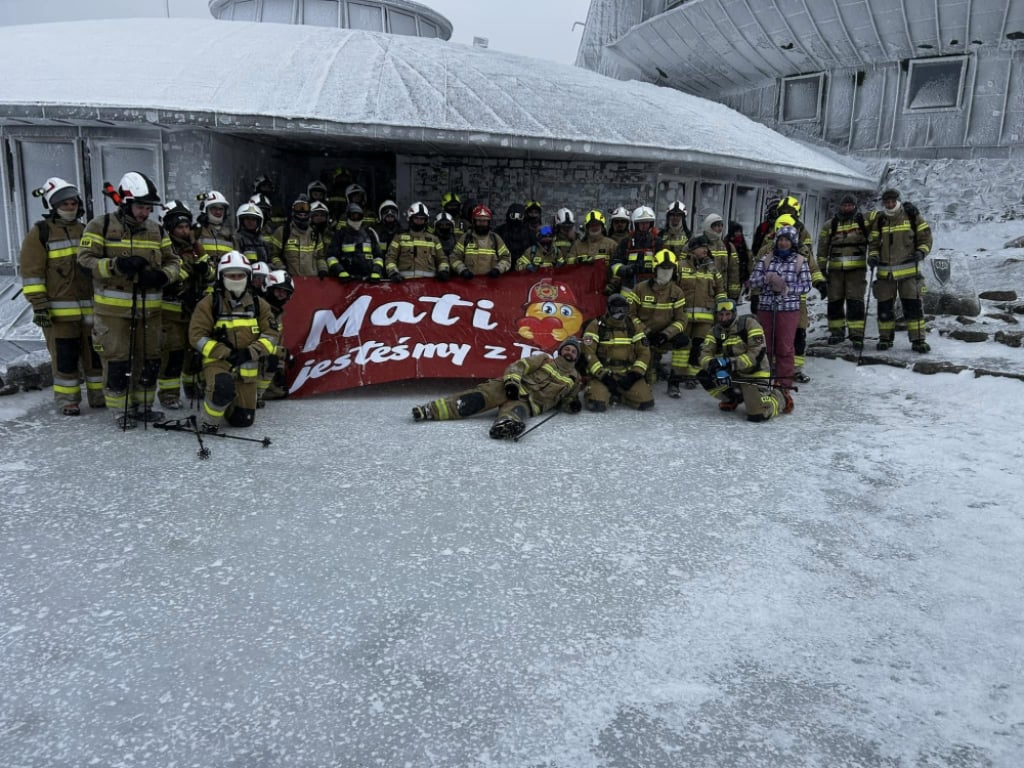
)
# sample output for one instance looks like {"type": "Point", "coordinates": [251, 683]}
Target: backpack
{"type": "Point", "coordinates": [912, 216]}
{"type": "Point", "coordinates": [859, 218]}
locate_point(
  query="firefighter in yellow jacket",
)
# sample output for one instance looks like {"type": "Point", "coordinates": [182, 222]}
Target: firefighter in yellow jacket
{"type": "Point", "coordinates": [416, 252]}
{"type": "Point", "coordinates": [702, 286]}
{"type": "Point", "coordinates": [618, 356]}
{"type": "Point", "coordinates": [659, 306]}
{"type": "Point", "coordinates": [481, 251]}
{"type": "Point", "coordinates": [131, 261]}
{"type": "Point", "coordinates": [899, 241]}
{"type": "Point", "coordinates": [233, 331]}
{"type": "Point", "coordinates": [842, 253]}
{"type": "Point", "coordinates": [530, 387]}
{"type": "Point", "coordinates": [735, 367]}
{"type": "Point", "coordinates": [61, 296]}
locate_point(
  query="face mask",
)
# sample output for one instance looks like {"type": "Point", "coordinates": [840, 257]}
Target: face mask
{"type": "Point", "coordinates": [481, 229]}
{"type": "Point", "coordinates": [663, 276]}
{"type": "Point", "coordinates": [67, 215]}
{"type": "Point", "coordinates": [617, 313]}
{"type": "Point", "coordinates": [354, 224]}
{"type": "Point", "coordinates": [235, 285]}
{"type": "Point", "coordinates": [214, 217]}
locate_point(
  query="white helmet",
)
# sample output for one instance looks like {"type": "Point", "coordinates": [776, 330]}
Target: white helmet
{"type": "Point", "coordinates": [417, 209]}
{"type": "Point", "coordinates": [317, 207]}
{"type": "Point", "coordinates": [352, 189]}
{"type": "Point", "coordinates": [444, 216]}
{"type": "Point", "coordinates": [261, 200]}
{"type": "Point", "coordinates": [564, 216]}
{"type": "Point", "coordinates": [386, 207]}
{"type": "Point", "coordinates": [213, 197]}
{"type": "Point", "coordinates": [136, 187]}
{"type": "Point", "coordinates": [620, 213]}
{"type": "Point", "coordinates": [249, 209]}
{"type": "Point", "coordinates": [260, 269]}
{"type": "Point", "coordinates": [642, 213]}
{"type": "Point", "coordinates": [56, 191]}
{"type": "Point", "coordinates": [676, 207]}
{"type": "Point", "coordinates": [279, 278]}
{"type": "Point", "coordinates": [233, 260]}
{"type": "Point", "coordinates": [710, 220]}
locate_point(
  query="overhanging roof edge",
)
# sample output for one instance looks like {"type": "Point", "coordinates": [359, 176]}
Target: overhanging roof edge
{"type": "Point", "coordinates": [299, 127]}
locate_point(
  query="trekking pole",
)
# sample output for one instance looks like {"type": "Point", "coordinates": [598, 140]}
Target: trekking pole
{"type": "Point", "coordinates": [132, 327]}
{"type": "Point", "coordinates": [540, 423]}
{"type": "Point", "coordinates": [188, 425]}
{"type": "Point", "coordinates": [771, 381]}
{"type": "Point", "coordinates": [146, 405]}
{"type": "Point", "coordinates": [203, 452]}
{"type": "Point", "coordinates": [867, 309]}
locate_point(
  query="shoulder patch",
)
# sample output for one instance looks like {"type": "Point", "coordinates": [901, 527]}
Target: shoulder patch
{"type": "Point", "coordinates": [588, 341]}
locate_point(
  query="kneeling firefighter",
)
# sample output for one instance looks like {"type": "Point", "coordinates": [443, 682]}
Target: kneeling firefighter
{"type": "Point", "coordinates": [233, 330]}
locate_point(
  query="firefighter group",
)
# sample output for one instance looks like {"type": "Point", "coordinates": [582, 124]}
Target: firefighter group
{"type": "Point", "coordinates": [147, 315]}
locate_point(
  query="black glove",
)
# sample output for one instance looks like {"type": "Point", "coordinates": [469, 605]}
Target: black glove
{"type": "Point", "coordinates": [465, 274]}
{"type": "Point", "coordinates": [625, 272]}
{"type": "Point", "coordinates": [203, 269]}
{"type": "Point", "coordinates": [511, 390]}
{"type": "Point", "coordinates": [239, 356]}
{"type": "Point", "coordinates": [657, 339]}
{"type": "Point", "coordinates": [126, 265]}
{"type": "Point", "coordinates": [494, 273]}
{"type": "Point", "coordinates": [575, 406]}
{"type": "Point", "coordinates": [374, 277]}
{"type": "Point", "coordinates": [41, 317]}
{"type": "Point", "coordinates": [680, 341]}
{"type": "Point", "coordinates": [396, 277]}
{"type": "Point", "coordinates": [273, 363]}
{"type": "Point", "coordinates": [822, 289]}
{"type": "Point", "coordinates": [872, 261]}
{"type": "Point", "coordinates": [334, 270]}
{"type": "Point", "coordinates": [153, 278]}
{"type": "Point", "coordinates": [919, 255]}
{"type": "Point", "coordinates": [609, 380]}
{"type": "Point", "coordinates": [531, 267]}
{"type": "Point", "coordinates": [627, 380]}
{"type": "Point", "coordinates": [322, 273]}
{"type": "Point", "coordinates": [443, 275]}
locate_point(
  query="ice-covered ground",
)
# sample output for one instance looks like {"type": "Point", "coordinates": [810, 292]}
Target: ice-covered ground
{"type": "Point", "coordinates": [839, 587]}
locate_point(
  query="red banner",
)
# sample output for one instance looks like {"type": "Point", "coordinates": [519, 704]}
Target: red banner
{"type": "Point", "coordinates": [345, 335]}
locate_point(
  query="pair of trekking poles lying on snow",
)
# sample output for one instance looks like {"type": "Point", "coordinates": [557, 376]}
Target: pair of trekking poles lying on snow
{"type": "Point", "coordinates": [190, 424]}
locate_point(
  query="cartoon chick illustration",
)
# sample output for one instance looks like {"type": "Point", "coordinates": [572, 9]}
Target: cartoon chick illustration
{"type": "Point", "coordinates": [551, 315]}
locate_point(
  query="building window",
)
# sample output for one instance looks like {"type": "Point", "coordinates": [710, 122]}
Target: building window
{"type": "Point", "coordinates": [277, 13]}
{"type": "Point", "coordinates": [401, 23]}
{"type": "Point", "coordinates": [801, 97]}
{"type": "Point", "coordinates": [936, 83]}
{"type": "Point", "coordinates": [244, 10]}
{"type": "Point", "coordinates": [322, 13]}
{"type": "Point", "coordinates": [427, 29]}
{"type": "Point", "coordinates": [368, 17]}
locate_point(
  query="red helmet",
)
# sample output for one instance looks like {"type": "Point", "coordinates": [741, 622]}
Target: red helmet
{"type": "Point", "coordinates": [546, 290]}
{"type": "Point", "coordinates": [482, 212]}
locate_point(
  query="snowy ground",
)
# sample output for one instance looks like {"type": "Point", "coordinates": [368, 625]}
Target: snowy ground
{"type": "Point", "coordinates": [839, 587]}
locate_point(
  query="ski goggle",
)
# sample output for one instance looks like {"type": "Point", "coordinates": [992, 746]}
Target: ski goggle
{"type": "Point", "coordinates": [301, 207]}
{"type": "Point", "coordinates": [726, 305]}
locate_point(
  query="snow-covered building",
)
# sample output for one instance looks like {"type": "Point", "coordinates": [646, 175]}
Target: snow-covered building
{"type": "Point", "coordinates": [410, 118]}
{"type": "Point", "coordinates": [932, 79]}
{"type": "Point", "coordinates": [399, 17]}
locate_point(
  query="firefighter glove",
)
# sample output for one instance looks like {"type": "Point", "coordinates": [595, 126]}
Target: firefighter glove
{"type": "Point", "coordinates": [239, 356]}
{"type": "Point", "coordinates": [495, 272]}
{"type": "Point", "coordinates": [41, 317]}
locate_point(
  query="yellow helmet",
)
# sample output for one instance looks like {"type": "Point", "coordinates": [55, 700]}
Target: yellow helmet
{"type": "Point", "coordinates": [790, 203]}
{"type": "Point", "coordinates": [595, 215]}
{"type": "Point", "coordinates": [785, 220]}
{"type": "Point", "coordinates": [665, 257]}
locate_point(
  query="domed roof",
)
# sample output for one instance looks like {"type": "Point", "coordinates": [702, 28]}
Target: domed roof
{"type": "Point", "coordinates": [356, 86]}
